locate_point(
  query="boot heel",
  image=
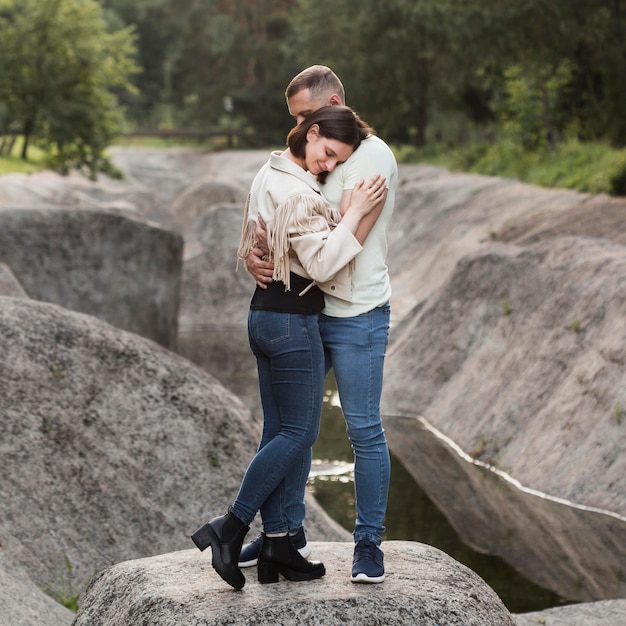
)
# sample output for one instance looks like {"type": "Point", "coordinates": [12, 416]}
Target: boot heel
{"type": "Point", "coordinates": [278, 555]}
{"type": "Point", "coordinates": [267, 573]}
{"type": "Point", "coordinates": [203, 537]}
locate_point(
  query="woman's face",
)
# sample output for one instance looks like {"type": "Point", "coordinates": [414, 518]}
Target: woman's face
{"type": "Point", "coordinates": [323, 154]}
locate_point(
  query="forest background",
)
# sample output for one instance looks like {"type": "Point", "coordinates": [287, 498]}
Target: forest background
{"type": "Point", "coordinates": [532, 89]}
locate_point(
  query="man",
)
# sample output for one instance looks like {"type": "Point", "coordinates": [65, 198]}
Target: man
{"type": "Point", "coordinates": [354, 335]}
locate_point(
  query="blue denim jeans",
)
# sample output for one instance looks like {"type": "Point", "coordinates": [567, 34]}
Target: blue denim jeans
{"type": "Point", "coordinates": [355, 349]}
{"type": "Point", "coordinates": [290, 364]}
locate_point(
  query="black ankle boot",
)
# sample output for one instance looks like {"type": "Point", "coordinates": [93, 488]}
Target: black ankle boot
{"type": "Point", "coordinates": [278, 555]}
{"type": "Point", "coordinates": [225, 536]}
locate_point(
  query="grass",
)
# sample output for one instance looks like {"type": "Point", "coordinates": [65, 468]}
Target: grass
{"type": "Point", "coordinates": [13, 163]}
{"type": "Point", "coordinates": [68, 595]}
{"type": "Point", "coordinates": [585, 167]}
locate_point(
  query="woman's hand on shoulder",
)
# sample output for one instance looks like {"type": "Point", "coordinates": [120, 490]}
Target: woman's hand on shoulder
{"type": "Point", "coordinates": [366, 196]}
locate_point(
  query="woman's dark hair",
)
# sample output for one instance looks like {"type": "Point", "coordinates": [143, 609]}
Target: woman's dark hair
{"type": "Point", "coordinates": [334, 122]}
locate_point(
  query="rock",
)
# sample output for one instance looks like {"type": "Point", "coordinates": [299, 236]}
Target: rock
{"type": "Point", "coordinates": [603, 613]}
{"type": "Point", "coordinates": [47, 189]}
{"type": "Point", "coordinates": [519, 360]}
{"type": "Point", "coordinates": [122, 270]}
{"type": "Point", "coordinates": [549, 345]}
{"type": "Point", "coordinates": [423, 586]}
{"type": "Point", "coordinates": [192, 203]}
{"type": "Point", "coordinates": [214, 292]}
{"type": "Point", "coordinates": [23, 604]}
{"type": "Point", "coordinates": [442, 217]}
{"type": "Point", "coordinates": [172, 173]}
{"type": "Point", "coordinates": [112, 447]}
{"type": "Point", "coordinates": [571, 549]}
{"type": "Point", "coordinates": [214, 300]}
{"type": "Point", "coordinates": [9, 285]}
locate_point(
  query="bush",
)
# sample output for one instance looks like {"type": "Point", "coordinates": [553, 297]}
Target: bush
{"type": "Point", "coordinates": [584, 167]}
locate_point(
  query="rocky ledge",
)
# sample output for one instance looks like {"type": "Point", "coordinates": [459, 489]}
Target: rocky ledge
{"type": "Point", "coordinates": [423, 586]}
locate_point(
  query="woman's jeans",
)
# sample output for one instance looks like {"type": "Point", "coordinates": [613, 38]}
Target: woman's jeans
{"type": "Point", "coordinates": [355, 349]}
{"type": "Point", "coordinates": [290, 363]}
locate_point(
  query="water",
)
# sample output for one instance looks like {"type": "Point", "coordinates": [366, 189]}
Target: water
{"type": "Point", "coordinates": [411, 515]}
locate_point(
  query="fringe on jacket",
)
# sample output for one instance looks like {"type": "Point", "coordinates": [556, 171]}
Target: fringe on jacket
{"type": "Point", "coordinates": [300, 214]}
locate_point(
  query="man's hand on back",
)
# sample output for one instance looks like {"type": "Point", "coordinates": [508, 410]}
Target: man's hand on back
{"type": "Point", "coordinates": [256, 264]}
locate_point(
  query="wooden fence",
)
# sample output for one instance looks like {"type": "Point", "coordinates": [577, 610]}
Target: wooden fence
{"type": "Point", "coordinates": [246, 137]}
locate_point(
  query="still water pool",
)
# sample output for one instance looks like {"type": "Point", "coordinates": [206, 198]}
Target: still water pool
{"type": "Point", "coordinates": [411, 515]}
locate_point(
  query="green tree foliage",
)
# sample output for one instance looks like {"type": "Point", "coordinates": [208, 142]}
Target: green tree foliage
{"type": "Point", "coordinates": [394, 57]}
{"type": "Point", "coordinates": [407, 62]}
{"type": "Point", "coordinates": [535, 71]}
{"type": "Point", "coordinates": [542, 41]}
{"type": "Point", "coordinates": [196, 55]}
{"type": "Point", "coordinates": [59, 71]}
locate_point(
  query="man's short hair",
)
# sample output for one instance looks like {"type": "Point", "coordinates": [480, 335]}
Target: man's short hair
{"type": "Point", "coordinates": [320, 80]}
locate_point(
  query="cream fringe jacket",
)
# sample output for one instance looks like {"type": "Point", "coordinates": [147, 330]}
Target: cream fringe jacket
{"type": "Point", "coordinates": [304, 233]}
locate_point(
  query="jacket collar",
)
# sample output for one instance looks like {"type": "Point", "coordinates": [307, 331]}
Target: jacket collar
{"type": "Point", "coordinates": [283, 164]}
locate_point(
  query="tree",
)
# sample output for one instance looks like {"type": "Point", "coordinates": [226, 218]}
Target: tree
{"type": "Point", "coordinates": [59, 70]}
{"type": "Point", "coordinates": [196, 55]}
{"type": "Point", "coordinates": [395, 58]}
{"type": "Point", "coordinates": [570, 55]}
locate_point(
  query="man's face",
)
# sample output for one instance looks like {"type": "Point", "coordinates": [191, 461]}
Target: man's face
{"type": "Point", "coordinates": [301, 105]}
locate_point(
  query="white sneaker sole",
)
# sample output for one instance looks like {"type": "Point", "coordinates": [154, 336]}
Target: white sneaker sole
{"type": "Point", "coordinates": [364, 578]}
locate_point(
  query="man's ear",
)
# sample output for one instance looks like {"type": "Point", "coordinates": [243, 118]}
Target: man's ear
{"type": "Point", "coordinates": [334, 100]}
{"type": "Point", "coordinates": [313, 132]}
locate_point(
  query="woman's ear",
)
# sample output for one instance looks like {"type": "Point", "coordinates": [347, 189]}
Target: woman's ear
{"type": "Point", "coordinates": [313, 132]}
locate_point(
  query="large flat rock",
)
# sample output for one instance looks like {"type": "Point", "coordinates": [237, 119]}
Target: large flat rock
{"type": "Point", "coordinates": [602, 613]}
{"type": "Point", "coordinates": [423, 586]}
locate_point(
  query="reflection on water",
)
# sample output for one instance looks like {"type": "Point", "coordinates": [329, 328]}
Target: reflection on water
{"type": "Point", "coordinates": [410, 513]}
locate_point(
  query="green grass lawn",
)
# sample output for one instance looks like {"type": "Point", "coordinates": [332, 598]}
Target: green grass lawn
{"type": "Point", "coordinates": [13, 163]}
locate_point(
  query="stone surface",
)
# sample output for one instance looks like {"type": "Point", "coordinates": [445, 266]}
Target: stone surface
{"type": "Point", "coordinates": [123, 270]}
{"type": "Point", "coordinates": [214, 299]}
{"type": "Point", "coordinates": [604, 613]}
{"type": "Point", "coordinates": [423, 586]}
{"type": "Point", "coordinates": [573, 550]}
{"type": "Point", "coordinates": [9, 285]}
{"type": "Point", "coordinates": [540, 389]}
{"type": "Point", "coordinates": [112, 447]}
{"type": "Point", "coordinates": [193, 202]}
{"type": "Point", "coordinates": [442, 217]}
{"type": "Point", "coordinates": [23, 604]}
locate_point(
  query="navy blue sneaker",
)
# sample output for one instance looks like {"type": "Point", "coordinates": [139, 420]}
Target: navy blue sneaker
{"type": "Point", "coordinates": [250, 552]}
{"type": "Point", "coordinates": [367, 564]}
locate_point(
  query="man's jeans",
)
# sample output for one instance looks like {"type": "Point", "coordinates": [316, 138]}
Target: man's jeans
{"type": "Point", "coordinates": [355, 349]}
{"type": "Point", "coordinates": [290, 363]}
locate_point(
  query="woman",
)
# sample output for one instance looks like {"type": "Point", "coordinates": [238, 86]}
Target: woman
{"type": "Point", "coordinates": [311, 247]}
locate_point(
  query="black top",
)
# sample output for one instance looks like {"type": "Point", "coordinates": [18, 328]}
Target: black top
{"type": "Point", "coordinates": [277, 298]}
